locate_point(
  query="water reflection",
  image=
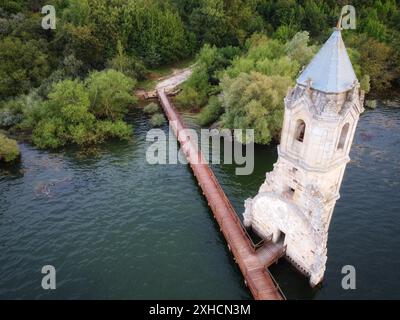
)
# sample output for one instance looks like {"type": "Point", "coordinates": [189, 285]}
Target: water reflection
{"type": "Point", "coordinates": [117, 227]}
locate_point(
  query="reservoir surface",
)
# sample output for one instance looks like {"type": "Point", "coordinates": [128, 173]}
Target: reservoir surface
{"type": "Point", "coordinates": [116, 227]}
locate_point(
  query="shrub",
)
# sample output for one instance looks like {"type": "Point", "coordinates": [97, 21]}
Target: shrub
{"type": "Point", "coordinates": [255, 101]}
{"type": "Point", "coordinates": [118, 129]}
{"type": "Point", "coordinates": [9, 149]}
{"type": "Point", "coordinates": [151, 108]}
{"type": "Point", "coordinates": [50, 133]}
{"type": "Point", "coordinates": [23, 65]}
{"type": "Point", "coordinates": [365, 83]}
{"type": "Point", "coordinates": [130, 66]}
{"type": "Point", "coordinates": [8, 118]}
{"type": "Point", "coordinates": [371, 104]}
{"type": "Point", "coordinates": [66, 116]}
{"type": "Point", "coordinates": [157, 120]}
{"type": "Point", "coordinates": [110, 94]}
{"type": "Point", "coordinates": [195, 91]}
{"type": "Point", "coordinates": [204, 79]}
{"type": "Point", "coordinates": [298, 48]}
{"type": "Point", "coordinates": [211, 112]}
{"type": "Point", "coordinates": [14, 110]}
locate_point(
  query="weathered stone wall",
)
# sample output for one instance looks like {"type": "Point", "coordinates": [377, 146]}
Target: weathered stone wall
{"type": "Point", "coordinates": [298, 197]}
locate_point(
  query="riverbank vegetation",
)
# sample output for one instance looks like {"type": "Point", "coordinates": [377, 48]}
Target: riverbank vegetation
{"type": "Point", "coordinates": [76, 111]}
{"type": "Point", "coordinates": [248, 90]}
{"type": "Point", "coordinates": [157, 119]}
{"type": "Point", "coordinates": [9, 149]}
{"type": "Point", "coordinates": [74, 84]}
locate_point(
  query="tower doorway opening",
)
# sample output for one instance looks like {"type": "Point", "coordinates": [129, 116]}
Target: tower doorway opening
{"type": "Point", "coordinates": [279, 237]}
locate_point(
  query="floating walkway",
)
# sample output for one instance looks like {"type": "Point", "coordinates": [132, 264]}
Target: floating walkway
{"type": "Point", "coordinates": [252, 261]}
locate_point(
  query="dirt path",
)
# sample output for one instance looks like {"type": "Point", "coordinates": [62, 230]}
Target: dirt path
{"type": "Point", "coordinates": [171, 82]}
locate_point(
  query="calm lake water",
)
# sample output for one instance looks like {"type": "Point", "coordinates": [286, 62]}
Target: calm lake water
{"type": "Point", "coordinates": [116, 227]}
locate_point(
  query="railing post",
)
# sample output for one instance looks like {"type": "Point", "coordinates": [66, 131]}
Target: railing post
{"type": "Point", "coordinates": [223, 210]}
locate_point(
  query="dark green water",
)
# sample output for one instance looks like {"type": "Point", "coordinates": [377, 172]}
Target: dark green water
{"type": "Point", "coordinates": [117, 228]}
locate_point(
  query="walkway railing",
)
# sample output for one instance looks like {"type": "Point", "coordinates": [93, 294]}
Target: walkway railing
{"type": "Point", "coordinates": [277, 286]}
{"type": "Point", "coordinates": [257, 277]}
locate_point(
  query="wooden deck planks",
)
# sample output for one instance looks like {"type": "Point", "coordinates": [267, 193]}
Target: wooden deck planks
{"type": "Point", "coordinates": [251, 263]}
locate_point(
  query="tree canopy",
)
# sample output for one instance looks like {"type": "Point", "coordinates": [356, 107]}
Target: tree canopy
{"type": "Point", "coordinates": [233, 39]}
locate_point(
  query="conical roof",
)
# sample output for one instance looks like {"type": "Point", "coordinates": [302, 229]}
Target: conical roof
{"type": "Point", "coordinates": [331, 70]}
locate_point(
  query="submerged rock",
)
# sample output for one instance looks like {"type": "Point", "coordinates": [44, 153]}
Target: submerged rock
{"type": "Point", "coordinates": [46, 189]}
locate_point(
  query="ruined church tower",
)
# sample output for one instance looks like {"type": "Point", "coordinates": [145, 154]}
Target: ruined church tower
{"type": "Point", "coordinates": [296, 201]}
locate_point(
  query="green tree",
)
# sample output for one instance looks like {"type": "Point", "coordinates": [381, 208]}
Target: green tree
{"type": "Point", "coordinates": [77, 12]}
{"type": "Point", "coordinates": [110, 94]}
{"type": "Point", "coordinates": [84, 44]}
{"type": "Point", "coordinates": [154, 33]}
{"type": "Point", "coordinates": [205, 77]}
{"type": "Point", "coordinates": [224, 22]}
{"type": "Point", "coordinates": [209, 23]}
{"type": "Point", "coordinates": [280, 13]}
{"type": "Point", "coordinates": [298, 48]}
{"type": "Point", "coordinates": [211, 112]}
{"type": "Point", "coordinates": [378, 60]}
{"type": "Point", "coordinates": [373, 26]}
{"type": "Point", "coordinates": [315, 17]}
{"type": "Point", "coordinates": [254, 101]}
{"type": "Point", "coordinates": [23, 66]}
{"type": "Point", "coordinates": [269, 57]}
{"type": "Point", "coordinates": [151, 108]}
{"type": "Point", "coordinates": [9, 149]}
{"type": "Point", "coordinates": [128, 65]}
{"type": "Point", "coordinates": [157, 120]}
{"type": "Point", "coordinates": [66, 116]}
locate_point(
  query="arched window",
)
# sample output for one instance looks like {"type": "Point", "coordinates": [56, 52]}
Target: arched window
{"type": "Point", "coordinates": [300, 130]}
{"type": "Point", "coordinates": [343, 136]}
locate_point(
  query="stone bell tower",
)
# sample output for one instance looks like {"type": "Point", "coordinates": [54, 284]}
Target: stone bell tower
{"type": "Point", "coordinates": [296, 201]}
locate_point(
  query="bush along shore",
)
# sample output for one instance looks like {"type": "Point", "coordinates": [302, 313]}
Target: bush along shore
{"type": "Point", "coordinates": [9, 150]}
{"type": "Point", "coordinates": [74, 84]}
{"type": "Point", "coordinates": [81, 112]}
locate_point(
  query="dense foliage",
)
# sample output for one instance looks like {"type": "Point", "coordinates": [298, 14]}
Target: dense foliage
{"type": "Point", "coordinates": [254, 86]}
{"type": "Point", "coordinates": [248, 91]}
{"type": "Point", "coordinates": [234, 39]}
{"type": "Point", "coordinates": [110, 93]}
{"type": "Point", "coordinates": [75, 111]}
{"type": "Point", "coordinates": [231, 22]}
{"type": "Point", "coordinates": [82, 113]}
{"type": "Point", "coordinates": [9, 149]}
{"type": "Point", "coordinates": [254, 101]}
{"type": "Point", "coordinates": [157, 120]}
{"type": "Point", "coordinates": [210, 61]}
{"type": "Point", "coordinates": [151, 108]}
{"type": "Point", "coordinates": [24, 65]}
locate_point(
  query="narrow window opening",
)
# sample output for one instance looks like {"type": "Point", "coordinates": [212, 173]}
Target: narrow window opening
{"type": "Point", "coordinates": [343, 136]}
{"type": "Point", "coordinates": [300, 130]}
